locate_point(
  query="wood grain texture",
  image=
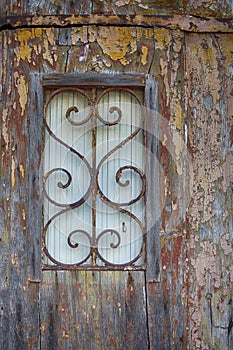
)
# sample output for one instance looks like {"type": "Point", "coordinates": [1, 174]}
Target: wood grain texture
{"type": "Point", "coordinates": [209, 65]}
{"type": "Point", "coordinates": [19, 298]}
{"type": "Point", "coordinates": [189, 23]}
{"type": "Point", "coordinates": [152, 175]}
{"type": "Point", "coordinates": [77, 7]}
{"type": "Point", "coordinates": [93, 310]}
{"type": "Point", "coordinates": [87, 79]}
{"type": "Point", "coordinates": [191, 306]}
{"type": "Point", "coordinates": [203, 8]}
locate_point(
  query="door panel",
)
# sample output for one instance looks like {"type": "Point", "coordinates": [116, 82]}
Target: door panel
{"type": "Point", "coordinates": [93, 310]}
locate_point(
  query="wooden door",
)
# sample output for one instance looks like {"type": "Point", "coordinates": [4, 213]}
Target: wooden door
{"type": "Point", "coordinates": [97, 242]}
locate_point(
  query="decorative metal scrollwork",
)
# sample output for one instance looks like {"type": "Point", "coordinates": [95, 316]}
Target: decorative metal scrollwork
{"type": "Point", "coordinates": [99, 239]}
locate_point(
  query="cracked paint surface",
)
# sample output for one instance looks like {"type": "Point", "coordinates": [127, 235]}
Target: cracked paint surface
{"type": "Point", "coordinates": [190, 307]}
{"type": "Point", "coordinates": [208, 63]}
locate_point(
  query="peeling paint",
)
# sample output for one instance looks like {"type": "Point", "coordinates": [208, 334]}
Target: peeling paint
{"type": "Point", "coordinates": [196, 258]}
{"type": "Point", "coordinates": [144, 55]}
{"type": "Point", "coordinates": [226, 244]}
{"type": "Point", "coordinates": [23, 93]}
{"type": "Point", "coordinates": [23, 50]}
{"type": "Point", "coordinates": [117, 43]}
{"type": "Point", "coordinates": [22, 170]}
{"type": "Point", "coordinates": [13, 169]}
{"type": "Point", "coordinates": [5, 133]}
{"type": "Point", "coordinates": [205, 262]}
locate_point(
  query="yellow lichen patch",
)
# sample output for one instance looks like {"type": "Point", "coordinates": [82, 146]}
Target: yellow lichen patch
{"type": "Point", "coordinates": [144, 54]}
{"type": "Point", "coordinates": [117, 43]}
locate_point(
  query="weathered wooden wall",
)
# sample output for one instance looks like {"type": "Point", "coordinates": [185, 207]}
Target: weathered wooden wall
{"type": "Point", "coordinates": [191, 306]}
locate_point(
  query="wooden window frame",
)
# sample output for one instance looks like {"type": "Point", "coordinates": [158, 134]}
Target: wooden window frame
{"type": "Point", "coordinates": [150, 85]}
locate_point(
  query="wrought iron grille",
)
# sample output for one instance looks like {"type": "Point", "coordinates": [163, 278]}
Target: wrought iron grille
{"type": "Point", "coordinates": [94, 181]}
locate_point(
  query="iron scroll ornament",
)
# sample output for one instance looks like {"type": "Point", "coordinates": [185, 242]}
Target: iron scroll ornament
{"type": "Point", "coordinates": [94, 188]}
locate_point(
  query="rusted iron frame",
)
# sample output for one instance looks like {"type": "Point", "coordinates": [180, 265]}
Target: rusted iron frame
{"type": "Point", "coordinates": [94, 188]}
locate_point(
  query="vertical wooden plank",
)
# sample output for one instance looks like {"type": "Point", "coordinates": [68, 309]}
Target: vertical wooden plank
{"type": "Point", "coordinates": [136, 7]}
{"type": "Point", "coordinates": [4, 205]}
{"type": "Point", "coordinates": [209, 65]}
{"type": "Point", "coordinates": [20, 313]}
{"type": "Point", "coordinates": [34, 195]}
{"type": "Point", "coordinates": [93, 310]}
{"type": "Point", "coordinates": [153, 210]}
{"type": "Point", "coordinates": [76, 7]}
{"type": "Point", "coordinates": [166, 304]}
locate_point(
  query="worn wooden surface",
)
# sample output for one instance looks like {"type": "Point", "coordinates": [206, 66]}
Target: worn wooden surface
{"type": "Point", "coordinates": [191, 305]}
{"type": "Point", "coordinates": [217, 8]}
{"type": "Point", "coordinates": [93, 310]}
{"type": "Point", "coordinates": [209, 63]}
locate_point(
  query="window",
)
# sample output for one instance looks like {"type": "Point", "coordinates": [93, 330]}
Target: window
{"type": "Point", "coordinates": [94, 174]}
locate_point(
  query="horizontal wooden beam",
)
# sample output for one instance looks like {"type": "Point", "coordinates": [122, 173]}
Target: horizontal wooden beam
{"type": "Point", "coordinates": [179, 22]}
{"type": "Point", "coordinates": [90, 79]}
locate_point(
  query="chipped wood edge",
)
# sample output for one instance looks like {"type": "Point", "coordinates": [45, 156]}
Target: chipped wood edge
{"type": "Point", "coordinates": [187, 23]}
